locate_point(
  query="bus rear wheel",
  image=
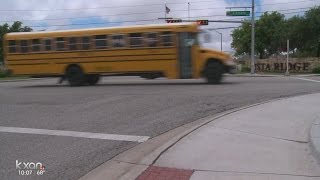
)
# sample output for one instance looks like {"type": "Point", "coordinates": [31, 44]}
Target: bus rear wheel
{"type": "Point", "coordinates": [75, 76]}
{"type": "Point", "coordinates": [214, 72]}
{"type": "Point", "coordinates": [93, 79]}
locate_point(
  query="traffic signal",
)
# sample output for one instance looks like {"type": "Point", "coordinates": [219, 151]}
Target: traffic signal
{"type": "Point", "coordinates": [202, 22]}
{"type": "Point", "coordinates": [174, 20]}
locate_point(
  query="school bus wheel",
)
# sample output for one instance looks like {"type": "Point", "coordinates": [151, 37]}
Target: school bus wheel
{"type": "Point", "coordinates": [150, 75]}
{"type": "Point", "coordinates": [75, 75]}
{"type": "Point", "coordinates": [214, 71]}
{"type": "Point", "coordinates": [93, 79]}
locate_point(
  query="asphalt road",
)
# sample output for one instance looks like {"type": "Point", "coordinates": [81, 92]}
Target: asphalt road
{"type": "Point", "coordinates": [122, 106]}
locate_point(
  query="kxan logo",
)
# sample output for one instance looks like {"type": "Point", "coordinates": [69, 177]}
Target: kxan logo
{"type": "Point", "coordinates": [29, 165]}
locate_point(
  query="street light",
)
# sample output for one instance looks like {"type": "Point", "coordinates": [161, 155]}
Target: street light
{"type": "Point", "coordinates": [220, 37]}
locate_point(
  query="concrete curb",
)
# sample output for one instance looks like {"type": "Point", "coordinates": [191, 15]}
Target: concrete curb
{"type": "Point", "coordinates": [253, 75]}
{"type": "Point", "coordinates": [17, 80]}
{"type": "Point", "coordinates": [271, 75]}
{"type": "Point", "coordinates": [307, 75]}
{"type": "Point", "coordinates": [131, 163]}
{"type": "Point", "coordinates": [314, 138]}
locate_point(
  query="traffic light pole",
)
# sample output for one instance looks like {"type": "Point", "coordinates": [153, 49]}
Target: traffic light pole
{"type": "Point", "coordinates": [252, 40]}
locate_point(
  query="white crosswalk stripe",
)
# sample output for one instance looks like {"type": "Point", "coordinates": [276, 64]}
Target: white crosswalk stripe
{"type": "Point", "coordinates": [114, 137]}
{"type": "Point", "coordinates": [305, 79]}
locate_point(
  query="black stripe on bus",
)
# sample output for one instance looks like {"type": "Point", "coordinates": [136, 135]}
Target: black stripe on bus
{"type": "Point", "coordinates": [93, 62]}
{"type": "Point", "coordinates": [90, 57]}
{"type": "Point", "coordinates": [114, 61]}
{"type": "Point", "coordinates": [27, 64]}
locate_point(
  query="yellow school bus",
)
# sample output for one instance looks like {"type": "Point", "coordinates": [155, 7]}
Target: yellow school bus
{"type": "Point", "coordinates": [82, 56]}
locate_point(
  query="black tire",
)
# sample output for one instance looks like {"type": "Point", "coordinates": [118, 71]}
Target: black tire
{"type": "Point", "coordinates": [214, 72]}
{"type": "Point", "coordinates": [75, 76]}
{"type": "Point", "coordinates": [150, 76]}
{"type": "Point", "coordinates": [93, 79]}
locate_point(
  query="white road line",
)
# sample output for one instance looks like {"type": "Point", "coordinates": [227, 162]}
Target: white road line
{"type": "Point", "coordinates": [305, 79]}
{"type": "Point", "coordinates": [114, 137]}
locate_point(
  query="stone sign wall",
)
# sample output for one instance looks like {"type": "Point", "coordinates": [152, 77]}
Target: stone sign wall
{"type": "Point", "coordinates": [303, 65]}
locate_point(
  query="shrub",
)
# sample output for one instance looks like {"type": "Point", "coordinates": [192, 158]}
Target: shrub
{"type": "Point", "coordinates": [245, 69]}
{"type": "Point", "coordinates": [2, 74]}
{"type": "Point", "coordinates": [316, 70]}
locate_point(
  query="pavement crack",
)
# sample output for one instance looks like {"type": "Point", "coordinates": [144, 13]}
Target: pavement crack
{"type": "Point", "coordinates": [139, 164]}
{"type": "Point", "coordinates": [251, 133]}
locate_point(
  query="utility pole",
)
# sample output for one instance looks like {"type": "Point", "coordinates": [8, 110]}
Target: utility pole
{"type": "Point", "coordinates": [252, 40]}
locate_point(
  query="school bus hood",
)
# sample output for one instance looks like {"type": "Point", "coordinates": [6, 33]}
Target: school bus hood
{"type": "Point", "coordinates": [211, 53]}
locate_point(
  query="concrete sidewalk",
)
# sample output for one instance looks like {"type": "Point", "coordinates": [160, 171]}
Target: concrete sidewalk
{"type": "Point", "coordinates": [266, 142]}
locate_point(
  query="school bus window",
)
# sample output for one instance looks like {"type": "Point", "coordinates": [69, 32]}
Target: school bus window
{"type": "Point", "coordinates": [101, 41]}
{"type": "Point", "coordinates": [194, 38]}
{"type": "Point", "coordinates": [151, 39]}
{"type": "Point", "coordinates": [24, 46]}
{"type": "Point", "coordinates": [60, 44]}
{"type": "Point", "coordinates": [85, 43]}
{"type": "Point", "coordinates": [12, 46]}
{"type": "Point", "coordinates": [136, 40]}
{"type": "Point", "coordinates": [73, 43]}
{"type": "Point", "coordinates": [167, 39]}
{"type": "Point", "coordinates": [118, 41]}
{"type": "Point", "coordinates": [47, 45]}
{"type": "Point", "coordinates": [36, 45]}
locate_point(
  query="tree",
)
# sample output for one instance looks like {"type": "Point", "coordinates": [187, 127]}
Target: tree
{"type": "Point", "coordinates": [241, 39]}
{"type": "Point", "coordinates": [272, 31]}
{"type": "Point", "coordinates": [269, 31]}
{"type": "Point", "coordinates": [295, 32]}
{"type": "Point", "coordinates": [15, 27]}
{"type": "Point", "coordinates": [303, 32]}
{"type": "Point", "coordinates": [311, 35]}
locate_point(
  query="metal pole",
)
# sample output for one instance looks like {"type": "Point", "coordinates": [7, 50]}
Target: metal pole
{"type": "Point", "coordinates": [220, 38]}
{"type": "Point", "coordinates": [252, 39]}
{"type": "Point", "coordinates": [165, 12]}
{"type": "Point", "coordinates": [189, 10]}
{"type": "Point", "coordinates": [288, 46]}
{"type": "Point", "coordinates": [221, 41]}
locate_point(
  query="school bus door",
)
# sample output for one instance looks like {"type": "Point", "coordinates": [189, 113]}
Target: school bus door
{"type": "Point", "coordinates": [184, 52]}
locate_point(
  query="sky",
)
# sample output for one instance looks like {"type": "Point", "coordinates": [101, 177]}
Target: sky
{"type": "Point", "coordinates": [75, 14]}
